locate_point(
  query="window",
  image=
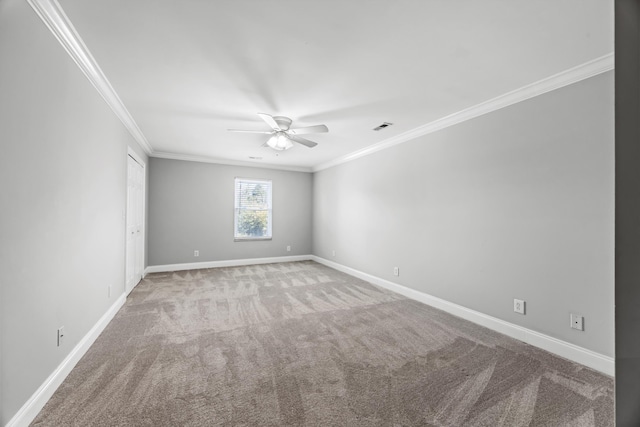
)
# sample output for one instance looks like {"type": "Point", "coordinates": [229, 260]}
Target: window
{"type": "Point", "coordinates": [252, 209]}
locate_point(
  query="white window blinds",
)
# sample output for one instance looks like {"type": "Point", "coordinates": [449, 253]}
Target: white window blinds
{"type": "Point", "coordinates": [252, 209]}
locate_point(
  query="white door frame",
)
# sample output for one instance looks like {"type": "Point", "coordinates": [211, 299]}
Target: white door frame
{"type": "Point", "coordinates": [131, 153]}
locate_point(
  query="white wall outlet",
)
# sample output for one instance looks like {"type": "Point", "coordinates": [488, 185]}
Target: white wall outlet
{"type": "Point", "coordinates": [333, 252]}
{"type": "Point", "coordinates": [396, 271]}
{"type": "Point", "coordinates": [518, 306]}
{"type": "Point", "coordinates": [60, 335]}
{"type": "Point", "coordinates": [577, 322]}
{"type": "Point", "coordinates": [196, 253]}
{"type": "Point", "coordinates": [288, 248]}
{"type": "Point", "coordinates": [109, 291]}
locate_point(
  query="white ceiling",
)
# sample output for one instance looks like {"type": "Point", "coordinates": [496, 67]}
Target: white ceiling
{"type": "Point", "coordinates": [188, 70]}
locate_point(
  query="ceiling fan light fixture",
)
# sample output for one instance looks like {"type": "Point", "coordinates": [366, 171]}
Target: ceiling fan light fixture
{"type": "Point", "coordinates": [279, 142]}
{"type": "Point", "coordinates": [282, 136]}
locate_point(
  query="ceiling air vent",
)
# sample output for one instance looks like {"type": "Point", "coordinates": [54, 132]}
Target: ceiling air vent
{"type": "Point", "coordinates": [382, 126]}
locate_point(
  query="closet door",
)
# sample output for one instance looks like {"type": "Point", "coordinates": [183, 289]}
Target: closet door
{"type": "Point", "coordinates": [135, 215]}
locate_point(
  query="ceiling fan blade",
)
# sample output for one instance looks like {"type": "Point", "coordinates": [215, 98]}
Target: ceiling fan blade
{"type": "Point", "coordinates": [309, 129]}
{"type": "Point", "coordinates": [250, 131]}
{"type": "Point", "coordinates": [270, 121]}
{"type": "Point", "coordinates": [302, 141]}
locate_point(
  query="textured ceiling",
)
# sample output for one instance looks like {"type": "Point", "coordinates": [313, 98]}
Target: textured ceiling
{"type": "Point", "coordinates": [188, 70]}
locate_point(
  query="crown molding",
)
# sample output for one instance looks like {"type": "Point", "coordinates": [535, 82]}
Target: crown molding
{"type": "Point", "coordinates": [205, 159]}
{"type": "Point", "coordinates": [556, 81]}
{"type": "Point", "coordinates": [59, 24]}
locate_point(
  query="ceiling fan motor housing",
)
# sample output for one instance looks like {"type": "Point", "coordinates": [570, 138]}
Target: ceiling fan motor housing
{"type": "Point", "coordinates": [283, 122]}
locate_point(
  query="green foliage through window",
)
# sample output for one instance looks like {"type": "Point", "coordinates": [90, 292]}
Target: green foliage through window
{"type": "Point", "coordinates": [253, 223]}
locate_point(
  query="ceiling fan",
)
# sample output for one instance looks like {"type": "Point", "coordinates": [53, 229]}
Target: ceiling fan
{"type": "Point", "coordinates": [282, 136]}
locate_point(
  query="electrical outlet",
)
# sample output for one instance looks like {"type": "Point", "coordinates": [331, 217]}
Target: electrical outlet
{"type": "Point", "coordinates": [333, 252]}
{"type": "Point", "coordinates": [577, 322]}
{"type": "Point", "coordinates": [60, 335]}
{"type": "Point", "coordinates": [109, 291]}
{"type": "Point", "coordinates": [396, 271]}
{"type": "Point", "coordinates": [518, 306]}
{"type": "Point", "coordinates": [288, 248]}
{"type": "Point", "coordinates": [196, 253]}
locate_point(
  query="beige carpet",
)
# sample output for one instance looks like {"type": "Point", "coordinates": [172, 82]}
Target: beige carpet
{"type": "Point", "coordinates": [302, 344]}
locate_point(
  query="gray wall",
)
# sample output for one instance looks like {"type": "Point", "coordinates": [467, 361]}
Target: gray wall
{"type": "Point", "coordinates": [63, 178]}
{"type": "Point", "coordinates": [191, 208]}
{"type": "Point", "coordinates": [517, 203]}
{"type": "Point", "coordinates": [627, 213]}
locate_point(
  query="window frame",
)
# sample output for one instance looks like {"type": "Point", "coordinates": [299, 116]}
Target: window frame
{"type": "Point", "coordinates": [236, 209]}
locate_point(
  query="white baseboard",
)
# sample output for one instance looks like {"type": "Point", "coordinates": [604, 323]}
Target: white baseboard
{"type": "Point", "coordinates": [597, 361]}
{"type": "Point", "coordinates": [226, 263]}
{"type": "Point", "coordinates": [36, 402]}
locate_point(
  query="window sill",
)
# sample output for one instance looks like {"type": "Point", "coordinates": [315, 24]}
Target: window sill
{"type": "Point", "coordinates": [250, 239]}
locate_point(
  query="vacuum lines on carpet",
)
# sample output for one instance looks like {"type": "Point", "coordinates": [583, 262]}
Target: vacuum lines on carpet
{"type": "Point", "coordinates": [300, 344]}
